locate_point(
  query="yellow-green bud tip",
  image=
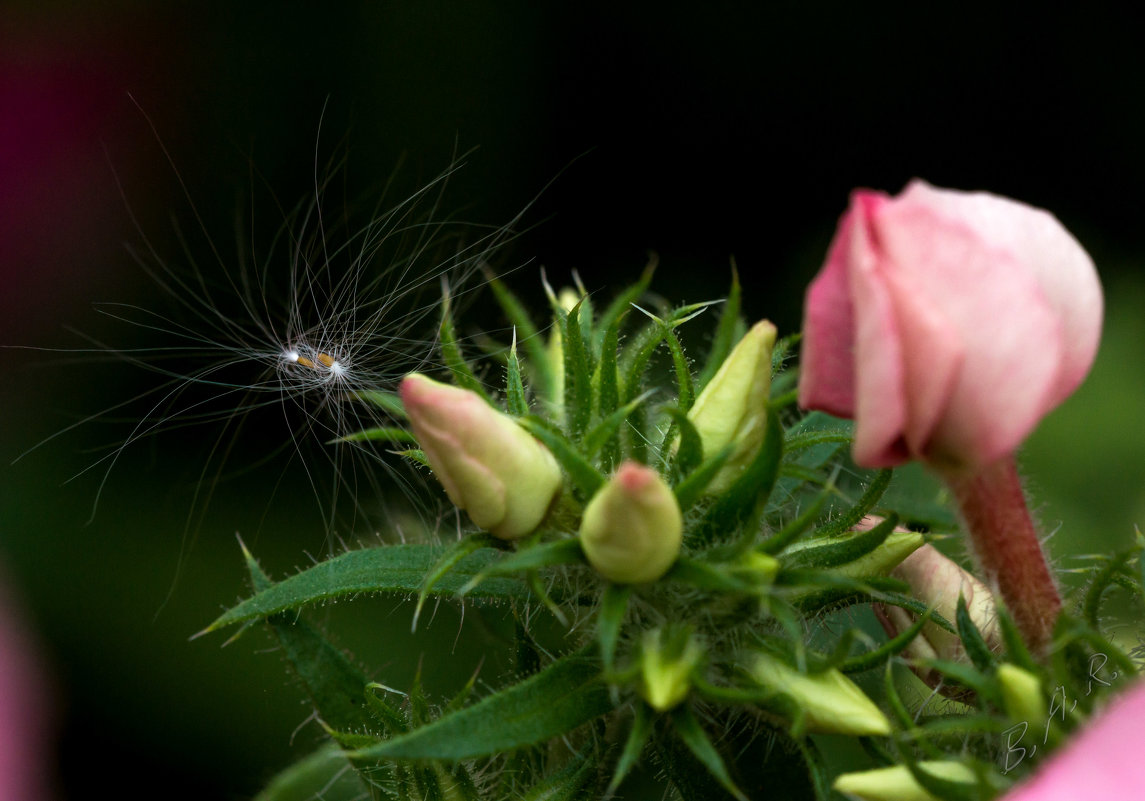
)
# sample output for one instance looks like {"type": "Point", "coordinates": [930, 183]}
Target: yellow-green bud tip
{"type": "Point", "coordinates": [831, 703]}
{"type": "Point", "coordinates": [897, 783]}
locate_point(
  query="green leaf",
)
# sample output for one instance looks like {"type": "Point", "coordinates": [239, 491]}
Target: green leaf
{"type": "Point", "coordinates": [534, 343]}
{"type": "Point", "coordinates": [696, 739]}
{"type": "Point", "coordinates": [725, 333]}
{"type": "Point", "coordinates": [566, 694]}
{"type": "Point", "coordinates": [397, 569]}
{"type": "Point", "coordinates": [383, 434]}
{"type": "Point", "coordinates": [462, 372]}
{"type": "Point", "coordinates": [323, 774]}
{"type": "Point", "coordinates": [584, 476]}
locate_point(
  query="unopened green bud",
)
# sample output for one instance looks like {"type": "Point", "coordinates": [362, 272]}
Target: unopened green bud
{"type": "Point", "coordinates": [667, 661]}
{"type": "Point", "coordinates": [897, 783]}
{"type": "Point", "coordinates": [733, 406]}
{"type": "Point", "coordinates": [490, 466]}
{"type": "Point", "coordinates": [1022, 695]}
{"type": "Point", "coordinates": [632, 528]}
{"type": "Point", "coordinates": [831, 703]}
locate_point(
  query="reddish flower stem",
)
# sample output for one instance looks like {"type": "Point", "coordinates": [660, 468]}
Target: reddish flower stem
{"type": "Point", "coordinates": [1008, 549]}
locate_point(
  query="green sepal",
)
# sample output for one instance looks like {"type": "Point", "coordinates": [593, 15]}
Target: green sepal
{"type": "Point", "coordinates": [615, 310]}
{"type": "Point", "coordinates": [613, 605]}
{"type": "Point", "coordinates": [548, 554]}
{"type": "Point", "coordinates": [691, 451]}
{"type": "Point", "coordinates": [792, 531]}
{"type": "Point", "coordinates": [515, 400]}
{"type": "Point", "coordinates": [743, 502]}
{"type": "Point", "coordinates": [854, 515]}
{"type": "Point", "coordinates": [838, 552]}
{"type": "Point", "coordinates": [382, 434]}
{"type": "Point", "coordinates": [448, 560]}
{"type": "Point", "coordinates": [972, 640]}
{"type": "Point", "coordinates": [578, 375]}
{"type": "Point", "coordinates": [607, 429]}
{"type": "Point", "coordinates": [388, 402]}
{"type": "Point", "coordinates": [462, 371]}
{"type": "Point", "coordinates": [691, 488]}
{"type": "Point", "coordinates": [553, 702]}
{"type": "Point", "coordinates": [877, 657]}
{"type": "Point", "coordinates": [638, 737]}
{"type": "Point", "coordinates": [685, 388]}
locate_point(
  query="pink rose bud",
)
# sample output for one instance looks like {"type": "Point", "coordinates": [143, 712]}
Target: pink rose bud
{"type": "Point", "coordinates": [947, 324]}
{"type": "Point", "coordinates": [938, 582]}
{"type": "Point", "coordinates": [1103, 761]}
{"type": "Point", "coordinates": [490, 466]}
{"type": "Point", "coordinates": [632, 528]}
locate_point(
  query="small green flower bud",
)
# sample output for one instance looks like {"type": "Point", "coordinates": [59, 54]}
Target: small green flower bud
{"type": "Point", "coordinates": [733, 406]}
{"type": "Point", "coordinates": [490, 466]}
{"type": "Point", "coordinates": [632, 528]}
{"type": "Point", "coordinates": [567, 298]}
{"type": "Point", "coordinates": [897, 783]}
{"type": "Point", "coordinates": [832, 703]}
{"type": "Point", "coordinates": [1022, 695]}
{"type": "Point", "coordinates": [666, 664]}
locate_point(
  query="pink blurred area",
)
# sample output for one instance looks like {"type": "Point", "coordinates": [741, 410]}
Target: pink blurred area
{"type": "Point", "coordinates": [26, 709]}
{"type": "Point", "coordinates": [66, 129]}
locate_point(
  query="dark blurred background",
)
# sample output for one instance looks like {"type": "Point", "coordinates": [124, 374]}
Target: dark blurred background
{"type": "Point", "coordinates": [735, 130]}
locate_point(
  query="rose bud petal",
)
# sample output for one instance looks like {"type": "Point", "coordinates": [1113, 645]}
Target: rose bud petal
{"type": "Point", "coordinates": [632, 528]}
{"type": "Point", "coordinates": [947, 324]}
{"type": "Point", "coordinates": [732, 408]}
{"type": "Point", "coordinates": [489, 466]}
{"type": "Point", "coordinates": [938, 582]}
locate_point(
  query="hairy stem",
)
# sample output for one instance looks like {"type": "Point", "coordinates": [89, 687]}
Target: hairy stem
{"type": "Point", "coordinates": [1008, 549]}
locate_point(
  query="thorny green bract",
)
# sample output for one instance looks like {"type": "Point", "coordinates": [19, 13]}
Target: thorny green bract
{"type": "Point", "coordinates": [717, 678]}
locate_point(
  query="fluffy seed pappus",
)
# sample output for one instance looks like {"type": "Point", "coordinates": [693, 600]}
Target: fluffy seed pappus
{"type": "Point", "coordinates": [277, 358]}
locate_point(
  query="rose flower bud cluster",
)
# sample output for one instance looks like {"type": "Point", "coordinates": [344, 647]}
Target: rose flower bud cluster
{"type": "Point", "coordinates": [489, 466]}
{"type": "Point", "coordinates": [947, 324]}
